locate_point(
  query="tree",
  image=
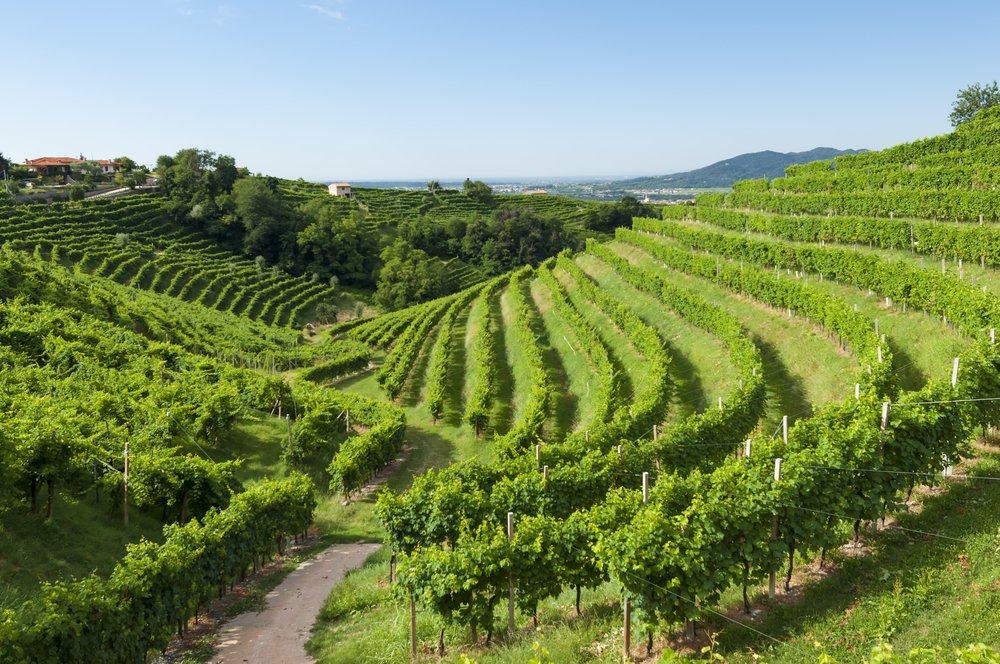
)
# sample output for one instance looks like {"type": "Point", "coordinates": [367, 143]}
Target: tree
{"type": "Point", "coordinates": [433, 186]}
{"type": "Point", "coordinates": [126, 164]}
{"type": "Point", "coordinates": [409, 276]}
{"type": "Point", "coordinates": [477, 190]}
{"type": "Point", "coordinates": [91, 170]}
{"type": "Point", "coordinates": [971, 100]}
{"type": "Point", "coordinates": [77, 192]}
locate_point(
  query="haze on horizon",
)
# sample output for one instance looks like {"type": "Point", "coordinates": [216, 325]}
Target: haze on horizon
{"type": "Point", "coordinates": [394, 90]}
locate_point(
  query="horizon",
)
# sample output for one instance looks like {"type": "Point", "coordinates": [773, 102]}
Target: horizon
{"type": "Point", "coordinates": [388, 91]}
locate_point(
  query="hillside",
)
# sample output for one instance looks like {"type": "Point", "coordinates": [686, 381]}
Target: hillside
{"type": "Point", "coordinates": [792, 380]}
{"type": "Point", "coordinates": [821, 345]}
{"type": "Point", "coordinates": [722, 174]}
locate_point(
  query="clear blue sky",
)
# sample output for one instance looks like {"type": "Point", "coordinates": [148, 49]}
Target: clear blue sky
{"type": "Point", "coordinates": [369, 89]}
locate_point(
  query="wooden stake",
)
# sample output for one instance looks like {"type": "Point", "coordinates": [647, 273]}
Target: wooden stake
{"type": "Point", "coordinates": [885, 415]}
{"type": "Point", "coordinates": [645, 487]}
{"type": "Point", "coordinates": [413, 627]}
{"type": "Point", "coordinates": [954, 373]}
{"type": "Point", "coordinates": [857, 390]}
{"type": "Point", "coordinates": [784, 428]}
{"type": "Point", "coordinates": [627, 649]}
{"type": "Point", "coordinates": [126, 484]}
{"type": "Point", "coordinates": [772, 580]}
{"type": "Point", "coordinates": [746, 448]}
{"type": "Point", "coordinates": [510, 577]}
{"type": "Point", "coordinates": [538, 454]}
{"type": "Point", "coordinates": [545, 477]}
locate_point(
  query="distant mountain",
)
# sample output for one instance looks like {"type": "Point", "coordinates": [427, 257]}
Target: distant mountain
{"type": "Point", "coordinates": [724, 173]}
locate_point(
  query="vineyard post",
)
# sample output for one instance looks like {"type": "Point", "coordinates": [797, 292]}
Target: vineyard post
{"type": "Point", "coordinates": [746, 448]}
{"type": "Point", "coordinates": [993, 336]}
{"type": "Point", "coordinates": [784, 429]}
{"type": "Point", "coordinates": [126, 484]}
{"type": "Point", "coordinates": [347, 420]}
{"type": "Point", "coordinates": [545, 477]}
{"type": "Point", "coordinates": [720, 403]}
{"type": "Point", "coordinates": [656, 433]}
{"type": "Point", "coordinates": [538, 454]}
{"type": "Point", "coordinates": [413, 626]}
{"type": "Point", "coordinates": [943, 269]}
{"type": "Point", "coordinates": [627, 650]}
{"type": "Point", "coordinates": [879, 349]}
{"type": "Point", "coordinates": [885, 415]}
{"type": "Point", "coordinates": [954, 373]}
{"type": "Point", "coordinates": [876, 320]}
{"type": "Point", "coordinates": [288, 421]}
{"type": "Point", "coordinates": [774, 530]}
{"type": "Point", "coordinates": [619, 452]}
{"type": "Point", "coordinates": [857, 391]}
{"type": "Point", "coordinates": [645, 487]}
{"type": "Point", "coordinates": [510, 577]}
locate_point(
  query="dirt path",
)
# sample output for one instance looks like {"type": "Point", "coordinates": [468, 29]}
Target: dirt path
{"type": "Point", "coordinates": [278, 634]}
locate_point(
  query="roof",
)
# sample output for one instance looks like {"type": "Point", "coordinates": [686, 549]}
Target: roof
{"type": "Point", "coordinates": [51, 161]}
{"type": "Point", "coordinates": [63, 161]}
{"type": "Point", "coordinates": [339, 184]}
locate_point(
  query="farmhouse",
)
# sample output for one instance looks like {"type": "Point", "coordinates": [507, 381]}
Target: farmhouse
{"type": "Point", "coordinates": [341, 189]}
{"type": "Point", "coordinates": [63, 165]}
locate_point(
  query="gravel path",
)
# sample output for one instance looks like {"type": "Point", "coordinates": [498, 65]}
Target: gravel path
{"type": "Point", "coordinates": [278, 634]}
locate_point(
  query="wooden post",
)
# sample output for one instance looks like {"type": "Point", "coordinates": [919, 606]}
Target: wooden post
{"type": "Point", "coordinates": [784, 428]}
{"type": "Point", "coordinates": [720, 403]}
{"type": "Point", "coordinates": [746, 448]}
{"type": "Point", "coordinates": [538, 454]}
{"type": "Point", "coordinates": [347, 420]}
{"type": "Point", "coordinates": [857, 390]}
{"type": "Point", "coordinates": [545, 477]}
{"type": "Point", "coordinates": [510, 577]}
{"type": "Point", "coordinates": [885, 415]}
{"type": "Point", "coordinates": [879, 349]}
{"type": "Point", "coordinates": [656, 433]}
{"type": "Point", "coordinates": [954, 373]}
{"type": "Point", "coordinates": [993, 336]}
{"type": "Point", "coordinates": [645, 487]}
{"type": "Point", "coordinates": [855, 306]}
{"type": "Point", "coordinates": [126, 484]}
{"type": "Point", "coordinates": [586, 435]}
{"type": "Point", "coordinates": [772, 580]}
{"type": "Point", "coordinates": [876, 325]}
{"type": "Point", "coordinates": [413, 627]}
{"type": "Point", "coordinates": [627, 649]}
{"type": "Point", "coordinates": [392, 569]}
{"type": "Point", "coordinates": [619, 452]}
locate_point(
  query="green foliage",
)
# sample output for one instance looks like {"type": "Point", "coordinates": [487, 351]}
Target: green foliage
{"type": "Point", "coordinates": [156, 588]}
{"type": "Point", "coordinates": [971, 100]}
{"type": "Point", "coordinates": [409, 275]}
{"type": "Point", "coordinates": [345, 357]}
{"type": "Point", "coordinates": [77, 192]}
{"type": "Point", "coordinates": [608, 218]}
{"type": "Point", "coordinates": [477, 191]}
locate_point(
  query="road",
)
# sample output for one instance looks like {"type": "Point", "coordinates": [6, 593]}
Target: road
{"type": "Point", "coordinates": [278, 634]}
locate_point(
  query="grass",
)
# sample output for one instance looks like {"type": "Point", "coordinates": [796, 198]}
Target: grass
{"type": "Point", "coordinates": [82, 537]}
{"type": "Point", "coordinates": [576, 404]}
{"type": "Point", "coordinates": [629, 365]}
{"type": "Point", "coordinates": [701, 369]}
{"type": "Point", "coordinates": [802, 368]}
{"type": "Point", "coordinates": [517, 360]}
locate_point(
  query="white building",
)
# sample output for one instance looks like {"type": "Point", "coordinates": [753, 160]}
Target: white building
{"type": "Point", "coordinates": [341, 189]}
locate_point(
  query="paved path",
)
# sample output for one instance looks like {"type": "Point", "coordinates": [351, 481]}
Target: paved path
{"type": "Point", "coordinates": [278, 634]}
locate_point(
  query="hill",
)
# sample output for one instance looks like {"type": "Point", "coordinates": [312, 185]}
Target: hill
{"type": "Point", "coordinates": [672, 418]}
{"type": "Point", "coordinates": [749, 166]}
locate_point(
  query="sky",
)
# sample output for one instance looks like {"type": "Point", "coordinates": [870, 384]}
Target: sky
{"type": "Point", "coordinates": [421, 89]}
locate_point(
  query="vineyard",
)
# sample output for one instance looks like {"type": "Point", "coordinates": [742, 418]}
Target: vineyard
{"type": "Point", "coordinates": [652, 444]}
{"type": "Point", "coordinates": [696, 408]}
{"type": "Point", "coordinates": [130, 242]}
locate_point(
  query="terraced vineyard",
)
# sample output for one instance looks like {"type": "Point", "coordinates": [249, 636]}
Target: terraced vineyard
{"type": "Point", "coordinates": [709, 400]}
{"type": "Point", "coordinates": [661, 425]}
{"type": "Point", "coordinates": [130, 241]}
